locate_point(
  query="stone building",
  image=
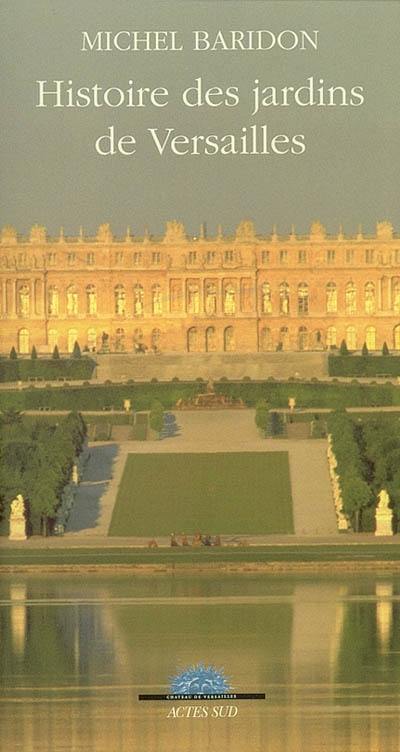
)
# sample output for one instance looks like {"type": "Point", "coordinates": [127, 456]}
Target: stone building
{"type": "Point", "coordinates": [245, 293]}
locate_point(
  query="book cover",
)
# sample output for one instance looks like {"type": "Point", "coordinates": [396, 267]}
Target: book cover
{"type": "Point", "coordinates": [199, 376]}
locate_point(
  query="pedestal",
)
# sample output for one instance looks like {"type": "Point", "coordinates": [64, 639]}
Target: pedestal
{"type": "Point", "coordinates": [383, 520]}
{"type": "Point", "coordinates": [17, 528]}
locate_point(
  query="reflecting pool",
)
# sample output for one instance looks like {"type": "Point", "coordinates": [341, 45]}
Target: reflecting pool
{"type": "Point", "coordinates": [77, 650]}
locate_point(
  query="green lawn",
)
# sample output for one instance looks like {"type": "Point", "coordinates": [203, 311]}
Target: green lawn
{"type": "Point", "coordinates": [233, 493]}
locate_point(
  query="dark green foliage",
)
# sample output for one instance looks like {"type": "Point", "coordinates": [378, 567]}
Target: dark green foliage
{"type": "Point", "coordinates": [343, 349]}
{"type": "Point", "coordinates": [156, 417]}
{"type": "Point", "coordinates": [56, 353]}
{"type": "Point", "coordinates": [13, 354]}
{"type": "Point", "coordinates": [36, 460]}
{"type": "Point", "coordinates": [34, 353]}
{"type": "Point", "coordinates": [46, 368]}
{"type": "Point", "coordinates": [385, 349]}
{"type": "Point", "coordinates": [76, 352]}
{"type": "Point", "coordinates": [364, 351]}
{"type": "Point", "coordinates": [261, 416]}
{"type": "Point", "coordinates": [359, 365]}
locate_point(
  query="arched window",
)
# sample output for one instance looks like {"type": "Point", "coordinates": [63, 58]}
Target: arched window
{"type": "Point", "coordinates": [72, 337]}
{"type": "Point", "coordinates": [192, 339]}
{"type": "Point", "coordinates": [193, 297]}
{"type": "Point", "coordinates": [266, 339]}
{"type": "Point", "coordinates": [91, 300]}
{"type": "Point", "coordinates": [396, 295]}
{"type": "Point", "coordinates": [266, 302]}
{"type": "Point", "coordinates": [302, 298]}
{"type": "Point", "coordinates": [229, 339]}
{"type": "Point", "coordinates": [53, 301]}
{"type": "Point", "coordinates": [53, 339]}
{"type": "Point", "coordinates": [138, 300]}
{"type": "Point", "coordinates": [210, 301]}
{"type": "Point", "coordinates": [369, 298]}
{"type": "Point", "coordinates": [120, 300]}
{"type": "Point", "coordinates": [23, 341]}
{"type": "Point", "coordinates": [120, 340]}
{"type": "Point", "coordinates": [72, 300]}
{"type": "Point", "coordinates": [284, 297]}
{"type": "Point", "coordinates": [156, 300]}
{"type": "Point", "coordinates": [350, 298]}
{"type": "Point", "coordinates": [351, 338]}
{"type": "Point", "coordinates": [331, 336]}
{"type": "Point", "coordinates": [229, 299]}
{"type": "Point", "coordinates": [370, 337]}
{"type": "Point", "coordinates": [92, 339]}
{"type": "Point", "coordinates": [331, 297]}
{"type": "Point", "coordinates": [303, 338]}
{"type": "Point", "coordinates": [396, 337]}
{"type": "Point", "coordinates": [211, 340]}
{"type": "Point", "coordinates": [283, 338]}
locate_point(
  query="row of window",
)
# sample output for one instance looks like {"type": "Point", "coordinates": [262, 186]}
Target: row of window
{"type": "Point", "coordinates": [193, 299]}
{"type": "Point", "coordinates": [210, 340]}
{"type": "Point", "coordinates": [283, 256]}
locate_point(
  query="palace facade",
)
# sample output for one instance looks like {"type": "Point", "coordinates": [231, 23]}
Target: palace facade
{"type": "Point", "coordinates": [244, 293]}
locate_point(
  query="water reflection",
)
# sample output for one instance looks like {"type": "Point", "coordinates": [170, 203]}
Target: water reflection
{"type": "Point", "coordinates": [76, 653]}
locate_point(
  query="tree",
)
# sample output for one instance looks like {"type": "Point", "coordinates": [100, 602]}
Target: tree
{"type": "Point", "coordinates": [76, 353]}
{"type": "Point", "coordinates": [385, 349]}
{"type": "Point", "coordinates": [261, 416]}
{"type": "Point", "coordinates": [356, 496]}
{"type": "Point", "coordinates": [343, 349]}
{"type": "Point", "coordinates": [34, 353]}
{"type": "Point", "coordinates": [56, 353]}
{"type": "Point", "coordinates": [364, 350]}
{"type": "Point", "coordinates": [13, 353]}
{"type": "Point", "coordinates": [156, 417]}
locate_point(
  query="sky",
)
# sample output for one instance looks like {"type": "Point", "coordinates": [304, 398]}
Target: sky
{"type": "Point", "coordinates": [51, 173]}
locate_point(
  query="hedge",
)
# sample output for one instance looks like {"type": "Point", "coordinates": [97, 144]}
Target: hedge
{"type": "Point", "coordinates": [311, 394]}
{"type": "Point", "coordinates": [363, 365]}
{"type": "Point", "coordinates": [95, 397]}
{"type": "Point", "coordinates": [46, 369]}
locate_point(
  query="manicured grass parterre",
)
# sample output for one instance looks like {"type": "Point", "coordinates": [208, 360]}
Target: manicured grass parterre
{"type": "Point", "coordinates": [218, 493]}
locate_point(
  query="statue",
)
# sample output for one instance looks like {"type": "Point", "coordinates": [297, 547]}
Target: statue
{"type": "Point", "coordinates": [17, 519]}
{"type": "Point", "coordinates": [383, 514]}
{"type": "Point", "coordinates": [211, 299]}
{"type": "Point", "coordinates": [193, 298]}
{"type": "Point", "coordinates": [229, 300]}
{"type": "Point", "coordinates": [91, 300]}
{"type": "Point", "coordinates": [175, 232]}
{"type": "Point", "coordinates": [23, 295]}
{"type": "Point", "coordinates": [266, 298]}
{"type": "Point", "coordinates": [72, 301]}
{"type": "Point", "coordinates": [53, 302]}
{"type": "Point", "coordinates": [245, 231]}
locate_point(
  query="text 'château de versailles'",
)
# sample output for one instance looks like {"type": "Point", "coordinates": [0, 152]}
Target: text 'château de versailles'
{"type": "Point", "coordinates": [244, 293]}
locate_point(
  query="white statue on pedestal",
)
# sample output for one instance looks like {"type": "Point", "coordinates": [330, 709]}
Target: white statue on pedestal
{"type": "Point", "coordinates": [17, 519]}
{"type": "Point", "coordinates": [383, 515]}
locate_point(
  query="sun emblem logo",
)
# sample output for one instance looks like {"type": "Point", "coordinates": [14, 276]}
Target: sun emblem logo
{"type": "Point", "coordinates": [200, 679]}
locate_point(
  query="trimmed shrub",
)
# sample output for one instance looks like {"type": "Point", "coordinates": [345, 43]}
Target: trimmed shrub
{"type": "Point", "coordinates": [56, 353]}
{"type": "Point", "coordinates": [34, 353]}
{"type": "Point", "coordinates": [364, 351]}
{"type": "Point", "coordinates": [13, 353]}
{"type": "Point", "coordinates": [76, 352]}
{"type": "Point", "coordinates": [385, 349]}
{"type": "Point", "coordinates": [343, 349]}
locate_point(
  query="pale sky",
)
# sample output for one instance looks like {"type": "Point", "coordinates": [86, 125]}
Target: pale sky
{"type": "Point", "coordinates": [51, 173]}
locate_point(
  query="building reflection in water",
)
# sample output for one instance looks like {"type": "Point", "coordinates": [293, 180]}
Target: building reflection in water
{"type": "Point", "coordinates": [76, 656]}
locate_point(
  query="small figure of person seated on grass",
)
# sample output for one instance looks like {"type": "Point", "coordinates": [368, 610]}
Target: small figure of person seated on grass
{"type": "Point", "coordinates": [152, 543]}
{"type": "Point", "coordinates": [184, 539]}
{"type": "Point", "coordinates": [174, 542]}
{"type": "Point", "coordinates": [206, 540]}
{"type": "Point", "coordinates": [197, 540]}
{"type": "Point", "coordinates": [217, 540]}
